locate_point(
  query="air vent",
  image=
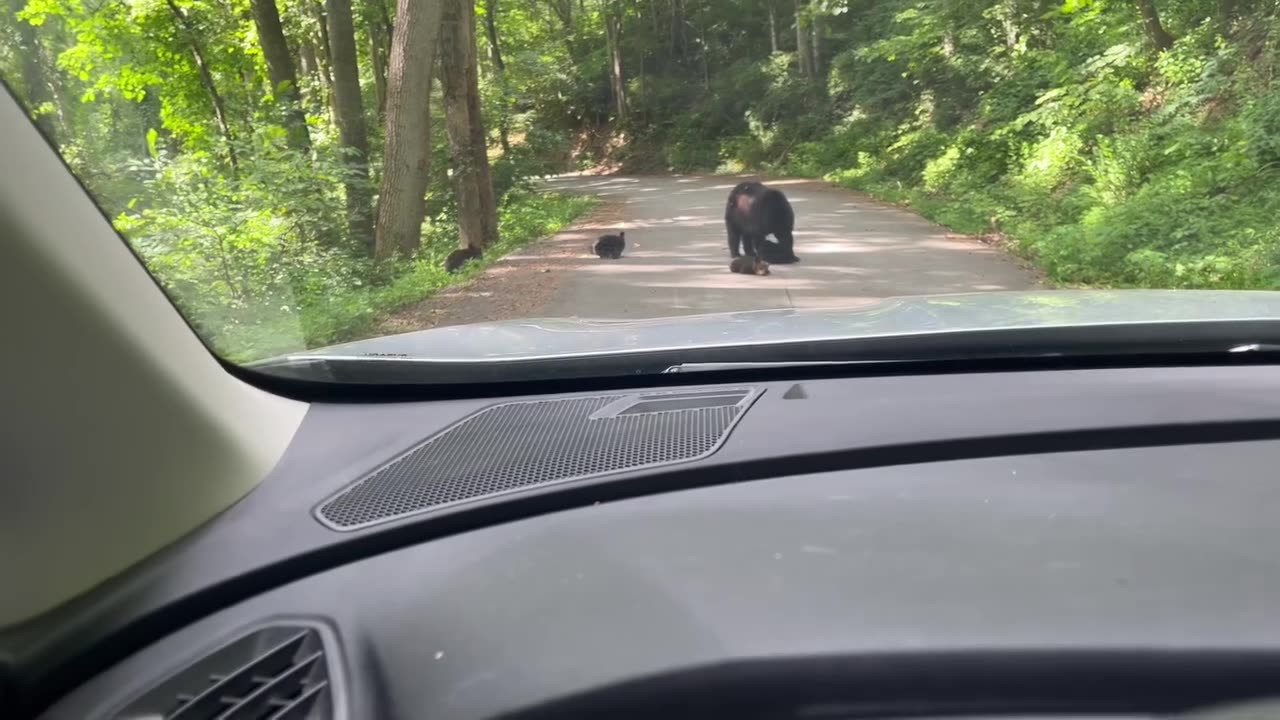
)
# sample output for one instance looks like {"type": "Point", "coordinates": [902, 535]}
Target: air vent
{"type": "Point", "coordinates": [277, 673]}
{"type": "Point", "coordinates": [520, 445]}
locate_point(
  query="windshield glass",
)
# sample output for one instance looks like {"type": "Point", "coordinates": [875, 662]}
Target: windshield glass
{"type": "Point", "coordinates": [372, 180]}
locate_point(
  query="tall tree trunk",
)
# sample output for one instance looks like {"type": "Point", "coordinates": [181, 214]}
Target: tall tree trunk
{"type": "Point", "coordinates": [284, 80]}
{"type": "Point", "coordinates": [206, 79]}
{"type": "Point", "coordinates": [63, 103]}
{"type": "Point", "coordinates": [407, 156]}
{"type": "Point", "coordinates": [479, 138]}
{"type": "Point", "coordinates": [307, 57]}
{"type": "Point", "coordinates": [815, 47]}
{"type": "Point", "coordinates": [706, 60]}
{"type": "Point", "coordinates": [1226, 13]}
{"type": "Point", "coordinates": [453, 84]}
{"type": "Point", "coordinates": [1009, 17]}
{"type": "Point", "coordinates": [477, 213]}
{"type": "Point", "coordinates": [773, 27]}
{"type": "Point", "coordinates": [1156, 33]}
{"type": "Point", "coordinates": [352, 133]}
{"type": "Point", "coordinates": [617, 81]}
{"type": "Point", "coordinates": [379, 26]}
{"type": "Point", "coordinates": [382, 21]}
{"type": "Point", "coordinates": [35, 85]}
{"type": "Point", "coordinates": [803, 51]}
{"type": "Point", "coordinates": [676, 21]}
{"type": "Point", "coordinates": [500, 69]}
{"type": "Point", "coordinates": [563, 10]}
{"type": "Point", "coordinates": [684, 29]}
{"type": "Point", "coordinates": [379, 68]}
{"type": "Point", "coordinates": [322, 53]}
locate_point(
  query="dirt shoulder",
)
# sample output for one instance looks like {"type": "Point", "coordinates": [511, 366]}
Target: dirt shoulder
{"type": "Point", "coordinates": [519, 285]}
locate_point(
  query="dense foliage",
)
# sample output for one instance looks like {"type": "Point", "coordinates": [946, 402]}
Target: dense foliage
{"type": "Point", "coordinates": [1131, 143]}
{"type": "Point", "coordinates": [1104, 158]}
{"type": "Point", "coordinates": [236, 190]}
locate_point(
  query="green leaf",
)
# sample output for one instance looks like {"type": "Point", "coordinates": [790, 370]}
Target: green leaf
{"type": "Point", "coordinates": [152, 135]}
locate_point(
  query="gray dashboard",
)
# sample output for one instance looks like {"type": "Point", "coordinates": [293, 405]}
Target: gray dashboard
{"type": "Point", "coordinates": [942, 513]}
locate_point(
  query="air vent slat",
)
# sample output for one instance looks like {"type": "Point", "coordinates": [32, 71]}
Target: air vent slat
{"type": "Point", "coordinates": [274, 670]}
{"type": "Point", "coordinates": [298, 709]}
{"type": "Point", "coordinates": [240, 681]}
{"type": "Point", "coordinates": [285, 685]}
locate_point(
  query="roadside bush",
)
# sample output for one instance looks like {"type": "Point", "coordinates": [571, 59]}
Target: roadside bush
{"type": "Point", "coordinates": [1103, 162]}
{"type": "Point", "coordinates": [260, 278]}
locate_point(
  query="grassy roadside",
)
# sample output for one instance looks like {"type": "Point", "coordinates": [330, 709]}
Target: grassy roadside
{"type": "Point", "coordinates": [355, 312]}
{"type": "Point", "coordinates": [962, 217]}
{"type": "Point", "coordinates": [1159, 239]}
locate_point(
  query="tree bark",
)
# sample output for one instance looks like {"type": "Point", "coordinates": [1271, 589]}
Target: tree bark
{"type": "Point", "coordinates": [706, 60]}
{"type": "Point", "coordinates": [280, 70]}
{"type": "Point", "coordinates": [773, 27]}
{"type": "Point", "coordinates": [617, 80]}
{"type": "Point", "coordinates": [684, 29]}
{"type": "Point", "coordinates": [815, 47]}
{"type": "Point", "coordinates": [307, 56]}
{"type": "Point", "coordinates": [479, 138]}
{"type": "Point", "coordinates": [1151, 24]}
{"type": "Point", "coordinates": [352, 132]}
{"type": "Point", "coordinates": [563, 10]}
{"type": "Point", "coordinates": [1009, 16]}
{"type": "Point", "coordinates": [206, 79]}
{"type": "Point", "coordinates": [1226, 13]}
{"type": "Point", "coordinates": [477, 212]}
{"type": "Point", "coordinates": [479, 141]}
{"type": "Point", "coordinates": [379, 27]}
{"type": "Point", "coordinates": [453, 83]}
{"type": "Point", "coordinates": [326, 66]}
{"type": "Point", "coordinates": [676, 21]}
{"type": "Point", "coordinates": [500, 70]}
{"type": "Point", "coordinates": [407, 156]}
{"type": "Point", "coordinates": [804, 52]}
{"type": "Point", "coordinates": [385, 26]}
{"type": "Point", "coordinates": [379, 68]}
{"type": "Point", "coordinates": [35, 85]}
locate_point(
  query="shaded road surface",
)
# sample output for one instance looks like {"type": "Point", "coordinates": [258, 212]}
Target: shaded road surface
{"type": "Point", "coordinates": [852, 251]}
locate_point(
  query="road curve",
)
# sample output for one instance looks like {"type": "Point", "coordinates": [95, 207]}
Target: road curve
{"type": "Point", "coordinates": [852, 251]}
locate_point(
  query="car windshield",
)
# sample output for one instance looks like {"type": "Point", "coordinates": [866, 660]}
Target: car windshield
{"type": "Point", "coordinates": [463, 180]}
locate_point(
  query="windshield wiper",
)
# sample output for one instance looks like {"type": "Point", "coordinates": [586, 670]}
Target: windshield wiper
{"type": "Point", "coordinates": [713, 366]}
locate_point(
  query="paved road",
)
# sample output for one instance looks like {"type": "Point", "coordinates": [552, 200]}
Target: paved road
{"type": "Point", "coordinates": [852, 251]}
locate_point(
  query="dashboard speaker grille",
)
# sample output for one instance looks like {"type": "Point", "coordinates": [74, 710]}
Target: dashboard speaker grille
{"type": "Point", "coordinates": [521, 445]}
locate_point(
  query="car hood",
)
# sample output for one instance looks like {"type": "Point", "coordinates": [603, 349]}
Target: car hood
{"type": "Point", "coordinates": [576, 337]}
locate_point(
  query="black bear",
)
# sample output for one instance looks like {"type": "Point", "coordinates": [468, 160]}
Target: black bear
{"type": "Point", "coordinates": [461, 257]}
{"type": "Point", "coordinates": [754, 212]}
{"type": "Point", "coordinates": [610, 246]}
{"type": "Point", "coordinates": [749, 265]}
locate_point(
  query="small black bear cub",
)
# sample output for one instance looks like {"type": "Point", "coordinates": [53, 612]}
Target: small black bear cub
{"type": "Point", "coordinates": [749, 265]}
{"type": "Point", "coordinates": [610, 246]}
{"type": "Point", "coordinates": [461, 257]}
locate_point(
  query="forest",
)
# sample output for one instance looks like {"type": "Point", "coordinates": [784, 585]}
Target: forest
{"type": "Point", "coordinates": [293, 169]}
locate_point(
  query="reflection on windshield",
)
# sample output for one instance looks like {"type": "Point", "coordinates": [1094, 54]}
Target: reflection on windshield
{"type": "Point", "coordinates": [300, 174]}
